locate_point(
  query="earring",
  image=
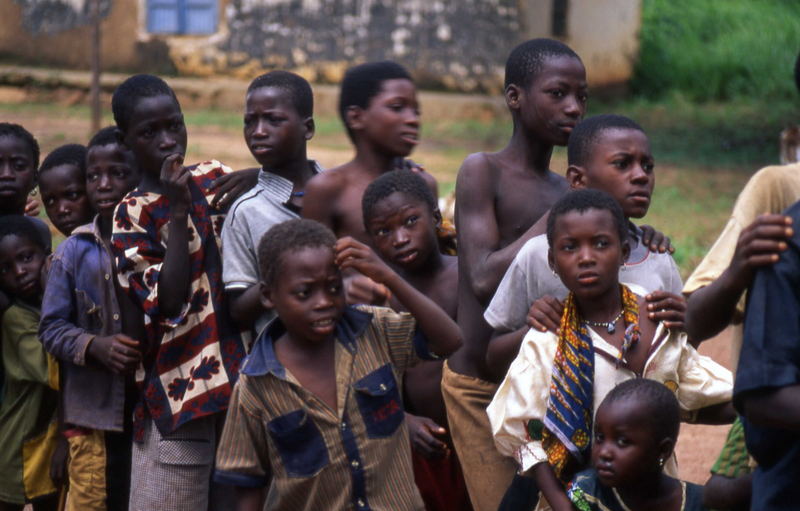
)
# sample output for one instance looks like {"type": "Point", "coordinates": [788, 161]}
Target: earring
{"type": "Point", "coordinates": [554, 272]}
{"type": "Point", "coordinates": [661, 462]}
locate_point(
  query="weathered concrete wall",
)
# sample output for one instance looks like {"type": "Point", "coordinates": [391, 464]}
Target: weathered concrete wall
{"type": "Point", "coordinates": [453, 44]}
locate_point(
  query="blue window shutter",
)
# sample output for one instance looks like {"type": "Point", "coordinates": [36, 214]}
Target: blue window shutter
{"type": "Point", "coordinates": [201, 16]}
{"type": "Point", "coordinates": [163, 16]}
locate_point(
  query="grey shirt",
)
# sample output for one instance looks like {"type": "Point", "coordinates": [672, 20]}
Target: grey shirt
{"type": "Point", "coordinates": [529, 278]}
{"type": "Point", "coordinates": [249, 217]}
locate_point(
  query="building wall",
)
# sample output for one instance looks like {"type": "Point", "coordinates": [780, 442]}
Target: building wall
{"type": "Point", "coordinates": [452, 44]}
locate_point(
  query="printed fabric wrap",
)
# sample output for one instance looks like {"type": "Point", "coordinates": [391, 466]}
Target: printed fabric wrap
{"type": "Point", "coordinates": [566, 432]}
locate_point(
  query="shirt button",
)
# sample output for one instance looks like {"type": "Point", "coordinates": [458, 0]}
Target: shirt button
{"type": "Point", "coordinates": [344, 426]}
{"type": "Point", "coordinates": [354, 463]}
{"type": "Point", "coordinates": [116, 317]}
{"type": "Point", "coordinates": [361, 503]}
{"type": "Point", "coordinates": [382, 386]}
{"type": "Point", "coordinates": [108, 277]}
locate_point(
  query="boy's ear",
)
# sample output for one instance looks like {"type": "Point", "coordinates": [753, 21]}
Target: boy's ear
{"type": "Point", "coordinates": [512, 95]}
{"type": "Point", "coordinates": [551, 262]}
{"type": "Point", "coordinates": [665, 448]}
{"type": "Point", "coordinates": [308, 123]}
{"type": "Point", "coordinates": [576, 177]}
{"type": "Point", "coordinates": [266, 296]}
{"type": "Point", "coordinates": [354, 116]}
{"type": "Point", "coordinates": [437, 218]}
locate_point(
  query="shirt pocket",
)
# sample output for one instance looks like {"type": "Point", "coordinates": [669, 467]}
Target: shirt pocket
{"type": "Point", "coordinates": [379, 402]}
{"type": "Point", "coordinates": [299, 443]}
{"type": "Point", "coordinates": [90, 315]}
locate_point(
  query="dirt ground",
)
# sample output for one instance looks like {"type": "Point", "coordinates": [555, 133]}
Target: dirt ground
{"type": "Point", "coordinates": [698, 446]}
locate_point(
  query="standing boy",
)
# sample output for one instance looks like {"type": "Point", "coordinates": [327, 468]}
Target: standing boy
{"type": "Point", "coordinates": [379, 108]}
{"type": "Point", "coordinates": [62, 183]}
{"type": "Point", "coordinates": [84, 315]}
{"type": "Point", "coordinates": [167, 238]}
{"type": "Point", "coordinates": [278, 122]}
{"type": "Point", "coordinates": [318, 408]}
{"type": "Point", "coordinates": [401, 217]}
{"type": "Point", "coordinates": [499, 197]}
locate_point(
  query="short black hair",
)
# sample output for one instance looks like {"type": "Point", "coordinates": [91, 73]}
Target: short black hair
{"type": "Point", "coordinates": [588, 131]}
{"type": "Point", "coordinates": [659, 404]}
{"type": "Point", "coordinates": [69, 154]}
{"type": "Point", "coordinates": [9, 129]}
{"type": "Point", "coordinates": [289, 236]}
{"type": "Point", "coordinates": [297, 87]}
{"type": "Point", "coordinates": [584, 200]}
{"type": "Point", "coordinates": [23, 227]}
{"type": "Point", "coordinates": [363, 82]}
{"type": "Point", "coordinates": [403, 181]}
{"type": "Point", "coordinates": [105, 136]}
{"type": "Point", "coordinates": [526, 60]}
{"type": "Point", "coordinates": [797, 72]}
{"type": "Point", "coordinates": [134, 89]}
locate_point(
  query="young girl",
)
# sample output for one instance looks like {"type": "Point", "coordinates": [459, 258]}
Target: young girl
{"type": "Point", "coordinates": [27, 412]}
{"type": "Point", "coordinates": [635, 432]}
{"type": "Point", "coordinates": [543, 411]}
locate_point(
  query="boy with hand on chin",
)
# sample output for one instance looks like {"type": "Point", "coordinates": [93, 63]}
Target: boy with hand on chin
{"type": "Point", "coordinates": [167, 239]}
{"type": "Point", "coordinates": [93, 328]}
{"type": "Point", "coordinates": [278, 123]}
{"type": "Point", "coordinates": [318, 407]}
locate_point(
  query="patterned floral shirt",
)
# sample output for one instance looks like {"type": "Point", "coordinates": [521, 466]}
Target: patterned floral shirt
{"type": "Point", "coordinates": [191, 361]}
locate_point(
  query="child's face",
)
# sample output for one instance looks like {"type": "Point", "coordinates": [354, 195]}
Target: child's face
{"type": "Point", "coordinates": [64, 196]}
{"type": "Point", "coordinates": [555, 101]}
{"type": "Point", "coordinates": [391, 120]}
{"type": "Point", "coordinates": [155, 131]}
{"type": "Point", "coordinates": [21, 263]}
{"type": "Point", "coordinates": [625, 447]}
{"type": "Point", "coordinates": [110, 174]}
{"type": "Point", "coordinates": [17, 173]}
{"type": "Point", "coordinates": [620, 164]}
{"type": "Point", "coordinates": [587, 252]}
{"type": "Point", "coordinates": [307, 294]}
{"type": "Point", "coordinates": [275, 133]}
{"type": "Point", "coordinates": [403, 230]}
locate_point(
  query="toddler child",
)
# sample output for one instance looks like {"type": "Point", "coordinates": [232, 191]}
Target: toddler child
{"type": "Point", "coordinates": [166, 236]}
{"type": "Point", "coordinates": [278, 123]}
{"type": "Point", "coordinates": [84, 316]}
{"type": "Point", "coordinates": [635, 432]}
{"type": "Point", "coordinates": [401, 217]}
{"type": "Point", "coordinates": [318, 408]}
{"type": "Point", "coordinates": [543, 411]}
{"type": "Point", "coordinates": [62, 183]}
{"type": "Point", "coordinates": [28, 407]}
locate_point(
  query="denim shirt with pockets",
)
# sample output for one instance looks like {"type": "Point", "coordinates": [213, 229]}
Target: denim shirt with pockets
{"type": "Point", "coordinates": [80, 302]}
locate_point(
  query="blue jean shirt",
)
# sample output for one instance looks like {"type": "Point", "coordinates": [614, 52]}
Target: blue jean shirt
{"type": "Point", "coordinates": [80, 303]}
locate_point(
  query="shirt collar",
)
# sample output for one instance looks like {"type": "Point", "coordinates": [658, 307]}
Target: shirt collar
{"type": "Point", "coordinates": [262, 359]}
{"type": "Point", "coordinates": [278, 187]}
{"type": "Point", "coordinates": [91, 229]}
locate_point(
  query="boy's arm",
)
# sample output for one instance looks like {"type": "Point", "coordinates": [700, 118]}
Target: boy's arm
{"type": "Point", "coordinates": [174, 278]}
{"type": "Point", "coordinates": [240, 272]}
{"type": "Point", "coordinates": [777, 408]}
{"type": "Point", "coordinates": [249, 499]}
{"type": "Point", "coordinates": [721, 413]}
{"type": "Point", "coordinates": [231, 186]}
{"type": "Point", "coordinates": [477, 229]}
{"type": "Point", "coordinates": [443, 334]}
{"type": "Point", "coordinates": [550, 486]}
{"type": "Point", "coordinates": [711, 308]}
{"type": "Point", "coordinates": [318, 203]}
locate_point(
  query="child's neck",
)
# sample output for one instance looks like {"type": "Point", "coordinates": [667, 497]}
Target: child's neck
{"type": "Point", "coordinates": [151, 182]}
{"type": "Point", "coordinates": [14, 209]}
{"type": "Point", "coordinates": [659, 492]}
{"type": "Point", "coordinates": [372, 161]}
{"type": "Point", "coordinates": [298, 171]}
{"type": "Point", "coordinates": [105, 224]}
{"type": "Point", "coordinates": [529, 152]}
{"type": "Point", "coordinates": [601, 308]}
{"type": "Point", "coordinates": [434, 264]}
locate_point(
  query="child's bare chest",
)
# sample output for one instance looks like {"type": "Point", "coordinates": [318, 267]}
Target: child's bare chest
{"type": "Point", "coordinates": [521, 201]}
{"type": "Point", "coordinates": [319, 381]}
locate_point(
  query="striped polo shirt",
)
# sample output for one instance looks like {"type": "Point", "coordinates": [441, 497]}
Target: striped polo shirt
{"type": "Point", "coordinates": [355, 457]}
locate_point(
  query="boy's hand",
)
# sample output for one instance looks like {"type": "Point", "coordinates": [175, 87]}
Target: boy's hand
{"type": "Point", "coordinates": [175, 178]}
{"type": "Point", "coordinates": [545, 314]}
{"type": "Point", "coordinates": [58, 461]}
{"type": "Point", "coordinates": [231, 186]}
{"type": "Point", "coordinates": [118, 352]}
{"type": "Point", "coordinates": [32, 206]}
{"type": "Point", "coordinates": [667, 308]}
{"type": "Point", "coordinates": [353, 254]}
{"type": "Point", "coordinates": [422, 431]}
{"type": "Point", "coordinates": [760, 244]}
{"type": "Point", "coordinates": [361, 289]}
{"type": "Point", "coordinates": [655, 240]}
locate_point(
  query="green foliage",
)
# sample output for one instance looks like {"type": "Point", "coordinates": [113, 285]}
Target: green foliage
{"type": "Point", "coordinates": [718, 49]}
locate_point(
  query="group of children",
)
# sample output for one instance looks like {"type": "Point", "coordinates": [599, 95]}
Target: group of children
{"type": "Point", "coordinates": [275, 337]}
